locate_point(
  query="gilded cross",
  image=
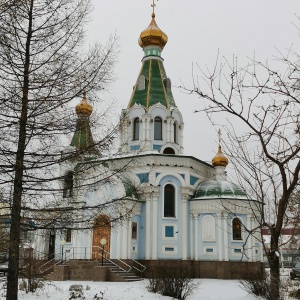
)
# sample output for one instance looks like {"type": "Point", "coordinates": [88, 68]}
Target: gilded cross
{"type": "Point", "coordinates": [153, 5]}
{"type": "Point", "coordinates": [219, 133]}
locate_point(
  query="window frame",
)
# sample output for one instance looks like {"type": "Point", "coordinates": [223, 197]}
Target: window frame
{"type": "Point", "coordinates": [68, 184]}
{"type": "Point", "coordinates": [158, 125]}
{"type": "Point", "coordinates": [164, 201]}
{"type": "Point", "coordinates": [134, 234]}
{"type": "Point", "coordinates": [234, 233]}
{"type": "Point", "coordinates": [136, 129]}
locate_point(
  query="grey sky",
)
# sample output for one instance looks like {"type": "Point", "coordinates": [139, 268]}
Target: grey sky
{"type": "Point", "coordinates": [196, 30]}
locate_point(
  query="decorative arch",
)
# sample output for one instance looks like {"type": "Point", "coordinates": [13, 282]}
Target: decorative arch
{"type": "Point", "coordinates": [208, 228]}
{"type": "Point", "coordinates": [236, 229]}
{"type": "Point", "coordinates": [136, 129]}
{"type": "Point", "coordinates": [169, 209]}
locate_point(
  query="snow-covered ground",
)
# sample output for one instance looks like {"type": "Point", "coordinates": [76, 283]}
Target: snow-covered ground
{"type": "Point", "coordinates": [209, 289]}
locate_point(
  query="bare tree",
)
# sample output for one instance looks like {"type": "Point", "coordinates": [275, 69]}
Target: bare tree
{"type": "Point", "coordinates": [261, 111]}
{"type": "Point", "coordinates": [43, 67]}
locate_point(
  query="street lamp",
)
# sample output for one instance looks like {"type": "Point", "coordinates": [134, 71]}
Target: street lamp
{"type": "Point", "coordinates": [103, 242]}
{"type": "Point", "coordinates": [62, 243]}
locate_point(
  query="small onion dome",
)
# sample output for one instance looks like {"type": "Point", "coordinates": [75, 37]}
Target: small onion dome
{"type": "Point", "coordinates": [220, 160]}
{"type": "Point", "coordinates": [153, 36]}
{"type": "Point", "coordinates": [83, 108]}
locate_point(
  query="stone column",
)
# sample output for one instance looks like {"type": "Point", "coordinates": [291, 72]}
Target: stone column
{"type": "Point", "coordinates": [119, 233]}
{"type": "Point", "coordinates": [129, 224]}
{"type": "Point", "coordinates": [148, 229]}
{"type": "Point", "coordinates": [124, 239]}
{"type": "Point", "coordinates": [192, 237]}
{"type": "Point", "coordinates": [154, 226]}
{"type": "Point", "coordinates": [220, 235]}
{"type": "Point", "coordinates": [249, 243]}
{"type": "Point", "coordinates": [181, 138]}
{"type": "Point", "coordinates": [226, 233]}
{"type": "Point", "coordinates": [196, 222]}
{"type": "Point", "coordinates": [184, 226]}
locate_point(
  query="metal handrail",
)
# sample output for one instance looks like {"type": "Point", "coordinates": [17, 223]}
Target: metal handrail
{"type": "Point", "coordinates": [143, 267]}
{"type": "Point", "coordinates": [100, 250]}
{"type": "Point", "coordinates": [64, 261]}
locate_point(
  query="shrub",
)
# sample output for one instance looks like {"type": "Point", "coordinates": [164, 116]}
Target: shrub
{"type": "Point", "coordinates": [256, 285]}
{"type": "Point", "coordinates": [295, 294]}
{"type": "Point", "coordinates": [171, 281]}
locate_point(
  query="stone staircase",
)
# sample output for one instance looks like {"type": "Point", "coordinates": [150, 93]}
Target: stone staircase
{"type": "Point", "coordinates": [91, 270]}
{"type": "Point", "coordinates": [117, 274]}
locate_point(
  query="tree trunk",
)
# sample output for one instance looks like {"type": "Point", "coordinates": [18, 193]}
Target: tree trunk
{"type": "Point", "coordinates": [274, 266]}
{"type": "Point", "coordinates": [15, 227]}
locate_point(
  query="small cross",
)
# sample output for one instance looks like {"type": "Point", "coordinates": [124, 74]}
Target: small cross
{"type": "Point", "coordinates": [153, 5]}
{"type": "Point", "coordinates": [219, 133]}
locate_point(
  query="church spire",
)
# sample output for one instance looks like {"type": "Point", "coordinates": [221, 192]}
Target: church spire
{"type": "Point", "coordinates": [152, 86]}
{"type": "Point", "coordinates": [82, 138]}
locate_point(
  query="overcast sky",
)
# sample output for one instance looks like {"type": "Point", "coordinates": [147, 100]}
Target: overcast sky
{"type": "Point", "coordinates": [196, 29]}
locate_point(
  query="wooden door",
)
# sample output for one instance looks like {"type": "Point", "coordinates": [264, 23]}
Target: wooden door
{"type": "Point", "coordinates": [101, 230]}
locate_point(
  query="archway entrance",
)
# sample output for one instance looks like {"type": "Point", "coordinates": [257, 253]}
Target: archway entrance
{"type": "Point", "coordinates": [101, 230]}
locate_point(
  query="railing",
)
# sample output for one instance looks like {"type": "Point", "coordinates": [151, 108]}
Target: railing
{"type": "Point", "coordinates": [98, 252]}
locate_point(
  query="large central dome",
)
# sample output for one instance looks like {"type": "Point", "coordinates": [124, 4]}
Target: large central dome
{"type": "Point", "coordinates": [153, 36]}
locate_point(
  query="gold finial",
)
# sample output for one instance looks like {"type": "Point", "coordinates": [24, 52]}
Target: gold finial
{"type": "Point", "coordinates": [220, 160]}
{"type": "Point", "coordinates": [153, 35]}
{"type": "Point", "coordinates": [83, 108]}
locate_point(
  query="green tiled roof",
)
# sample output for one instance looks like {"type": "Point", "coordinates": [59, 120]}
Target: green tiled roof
{"type": "Point", "coordinates": [82, 138]}
{"type": "Point", "coordinates": [155, 90]}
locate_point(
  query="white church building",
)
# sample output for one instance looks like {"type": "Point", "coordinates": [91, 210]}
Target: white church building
{"type": "Point", "coordinates": [186, 211]}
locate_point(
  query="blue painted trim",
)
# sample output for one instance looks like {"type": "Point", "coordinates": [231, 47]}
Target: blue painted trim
{"type": "Point", "coordinates": [143, 177]}
{"type": "Point", "coordinates": [135, 147]}
{"type": "Point", "coordinates": [193, 180]}
{"type": "Point", "coordinates": [182, 175]}
{"type": "Point", "coordinates": [157, 147]}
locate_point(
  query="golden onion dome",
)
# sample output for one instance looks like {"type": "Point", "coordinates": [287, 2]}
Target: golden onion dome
{"type": "Point", "coordinates": [83, 108]}
{"type": "Point", "coordinates": [153, 35]}
{"type": "Point", "coordinates": [220, 160]}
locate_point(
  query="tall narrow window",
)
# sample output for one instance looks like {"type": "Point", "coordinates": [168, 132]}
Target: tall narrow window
{"type": "Point", "coordinates": [236, 229]}
{"type": "Point", "coordinates": [68, 185]}
{"type": "Point", "coordinates": [136, 129]}
{"type": "Point", "coordinates": [69, 235]}
{"type": "Point", "coordinates": [134, 230]}
{"type": "Point", "coordinates": [169, 201]}
{"type": "Point", "coordinates": [175, 133]}
{"type": "Point", "coordinates": [158, 128]}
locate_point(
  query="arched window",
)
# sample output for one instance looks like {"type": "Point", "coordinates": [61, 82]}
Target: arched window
{"type": "Point", "coordinates": [169, 150]}
{"type": "Point", "coordinates": [236, 229]}
{"type": "Point", "coordinates": [158, 128]}
{"type": "Point", "coordinates": [169, 201]}
{"type": "Point", "coordinates": [136, 129]}
{"type": "Point", "coordinates": [68, 185]}
{"type": "Point", "coordinates": [175, 133]}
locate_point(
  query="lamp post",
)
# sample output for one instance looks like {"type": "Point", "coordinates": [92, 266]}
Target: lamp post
{"type": "Point", "coordinates": [62, 243]}
{"type": "Point", "coordinates": [103, 242]}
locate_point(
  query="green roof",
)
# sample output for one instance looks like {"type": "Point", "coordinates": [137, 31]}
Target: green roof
{"type": "Point", "coordinates": [219, 189]}
{"type": "Point", "coordinates": [82, 138]}
{"type": "Point", "coordinates": [155, 90]}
